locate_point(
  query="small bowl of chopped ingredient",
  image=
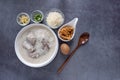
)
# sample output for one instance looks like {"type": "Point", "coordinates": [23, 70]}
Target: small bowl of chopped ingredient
{"type": "Point", "coordinates": [23, 19]}
{"type": "Point", "coordinates": [37, 16]}
{"type": "Point", "coordinates": [54, 18]}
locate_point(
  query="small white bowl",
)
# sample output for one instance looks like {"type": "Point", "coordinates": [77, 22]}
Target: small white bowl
{"type": "Point", "coordinates": [54, 10]}
{"type": "Point", "coordinates": [19, 15]}
{"type": "Point", "coordinates": [37, 12]}
{"type": "Point", "coordinates": [47, 57]}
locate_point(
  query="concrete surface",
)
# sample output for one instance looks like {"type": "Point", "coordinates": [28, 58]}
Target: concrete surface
{"type": "Point", "coordinates": [99, 59]}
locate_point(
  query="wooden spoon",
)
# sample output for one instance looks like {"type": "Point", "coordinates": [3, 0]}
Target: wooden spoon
{"type": "Point", "coordinates": [82, 40]}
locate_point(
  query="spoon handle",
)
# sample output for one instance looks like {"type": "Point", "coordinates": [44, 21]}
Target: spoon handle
{"type": "Point", "coordinates": [67, 59]}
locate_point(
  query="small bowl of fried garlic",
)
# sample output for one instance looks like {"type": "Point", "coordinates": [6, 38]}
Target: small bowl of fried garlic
{"type": "Point", "coordinates": [67, 31]}
{"type": "Point", "coordinates": [23, 19]}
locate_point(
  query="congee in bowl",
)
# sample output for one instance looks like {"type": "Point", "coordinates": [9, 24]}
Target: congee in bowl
{"type": "Point", "coordinates": [36, 45]}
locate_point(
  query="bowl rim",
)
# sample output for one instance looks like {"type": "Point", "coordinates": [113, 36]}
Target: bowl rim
{"type": "Point", "coordinates": [39, 11]}
{"type": "Point", "coordinates": [55, 10]}
{"type": "Point", "coordinates": [23, 13]}
{"type": "Point", "coordinates": [28, 63]}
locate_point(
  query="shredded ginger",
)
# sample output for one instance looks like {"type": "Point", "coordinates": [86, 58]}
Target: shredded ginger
{"type": "Point", "coordinates": [54, 19]}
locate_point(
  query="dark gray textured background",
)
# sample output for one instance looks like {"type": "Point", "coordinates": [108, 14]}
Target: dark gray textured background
{"type": "Point", "coordinates": [99, 59]}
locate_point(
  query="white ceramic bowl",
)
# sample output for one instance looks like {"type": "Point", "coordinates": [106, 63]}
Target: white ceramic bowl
{"type": "Point", "coordinates": [19, 53]}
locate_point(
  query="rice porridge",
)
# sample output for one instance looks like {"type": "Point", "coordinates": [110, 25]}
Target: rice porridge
{"type": "Point", "coordinates": [37, 44]}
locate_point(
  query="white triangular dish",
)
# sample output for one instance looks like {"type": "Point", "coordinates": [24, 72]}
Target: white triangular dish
{"type": "Point", "coordinates": [72, 23]}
